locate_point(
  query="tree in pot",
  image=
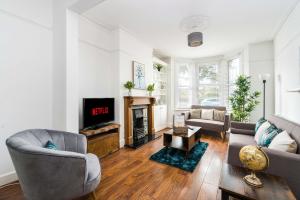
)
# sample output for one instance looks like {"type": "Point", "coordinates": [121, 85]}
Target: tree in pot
{"type": "Point", "coordinates": [242, 100]}
{"type": "Point", "coordinates": [129, 85]}
{"type": "Point", "coordinates": [150, 88]}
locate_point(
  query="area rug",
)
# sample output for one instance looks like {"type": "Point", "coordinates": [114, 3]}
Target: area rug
{"type": "Point", "coordinates": [176, 158]}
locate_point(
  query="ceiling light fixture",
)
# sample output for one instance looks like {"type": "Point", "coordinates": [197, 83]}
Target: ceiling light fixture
{"type": "Point", "coordinates": [194, 25]}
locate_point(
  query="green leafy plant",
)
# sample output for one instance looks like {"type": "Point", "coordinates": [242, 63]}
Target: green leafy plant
{"type": "Point", "coordinates": [158, 66]}
{"type": "Point", "coordinates": [242, 100]}
{"type": "Point", "coordinates": [129, 85]}
{"type": "Point", "coordinates": [151, 88]}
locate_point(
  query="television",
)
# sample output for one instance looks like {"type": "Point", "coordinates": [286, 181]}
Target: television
{"type": "Point", "coordinates": [98, 111]}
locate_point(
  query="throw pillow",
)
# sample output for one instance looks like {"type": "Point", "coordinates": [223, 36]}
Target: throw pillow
{"type": "Point", "coordinates": [219, 115]}
{"type": "Point", "coordinates": [207, 114]}
{"type": "Point", "coordinates": [259, 123]}
{"type": "Point", "coordinates": [261, 130]}
{"type": "Point", "coordinates": [195, 113]}
{"type": "Point", "coordinates": [267, 137]}
{"type": "Point", "coordinates": [284, 142]}
{"type": "Point", "coordinates": [50, 145]}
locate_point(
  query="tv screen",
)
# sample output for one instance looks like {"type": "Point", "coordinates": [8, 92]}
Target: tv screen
{"type": "Point", "coordinates": [97, 111]}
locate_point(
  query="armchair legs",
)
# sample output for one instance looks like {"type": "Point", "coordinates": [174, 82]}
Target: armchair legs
{"type": "Point", "coordinates": [93, 196]}
{"type": "Point", "coordinates": [223, 135]}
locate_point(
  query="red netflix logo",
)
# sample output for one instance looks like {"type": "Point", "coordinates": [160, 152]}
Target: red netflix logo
{"type": "Point", "coordinates": [99, 111]}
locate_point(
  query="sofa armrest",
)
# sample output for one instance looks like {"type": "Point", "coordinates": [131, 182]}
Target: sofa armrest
{"type": "Point", "coordinates": [241, 125]}
{"type": "Point", "coordinates": [242, 131]}
{"type": "Point", "coordinates": [227, 122]}
{"type": "Point", "coordinates": [187, 115]}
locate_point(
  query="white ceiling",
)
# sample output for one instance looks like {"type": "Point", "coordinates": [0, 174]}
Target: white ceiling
{"type": "Point", "coordinates": [232, 23]}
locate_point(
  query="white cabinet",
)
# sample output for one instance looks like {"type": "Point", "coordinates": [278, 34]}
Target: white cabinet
{"type": "Point", "coordinates": [160, 117]}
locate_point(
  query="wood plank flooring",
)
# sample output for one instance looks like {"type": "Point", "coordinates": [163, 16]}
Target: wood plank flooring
{"type": "Point", "coordinates": [129, 174]}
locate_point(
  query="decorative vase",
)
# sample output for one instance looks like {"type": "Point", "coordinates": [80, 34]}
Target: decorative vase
{"type": "Point", "coordinates": [150, 94]}
{"type": "Point", "coordinates": [129, 92]}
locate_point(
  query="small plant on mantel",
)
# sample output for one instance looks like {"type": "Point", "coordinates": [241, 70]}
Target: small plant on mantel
{"type": "Point", "coordinates": [158, 66]}
{"type": "Point", "coordinates": [129, 85]}
{"type": "Point", "coordinates": [150, 88]}
{"type": "Point", "coordinates": [242, 100]}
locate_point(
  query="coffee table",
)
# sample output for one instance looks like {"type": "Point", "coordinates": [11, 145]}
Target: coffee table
{"type": "Point", "coordinates": [183, 142]}
{"type": "Point", "coordinates": [232, 184]}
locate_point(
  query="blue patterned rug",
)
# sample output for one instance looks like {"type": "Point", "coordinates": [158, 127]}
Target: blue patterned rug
{"type": "Point", "coordinates": [176, 158]}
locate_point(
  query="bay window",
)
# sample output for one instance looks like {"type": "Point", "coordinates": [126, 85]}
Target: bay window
{"type": "Point", "coordinates": [207, 84]}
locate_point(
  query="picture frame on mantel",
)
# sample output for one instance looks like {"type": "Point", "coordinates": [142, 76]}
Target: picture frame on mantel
{"type": "Point", "coordinates": [139, 78]}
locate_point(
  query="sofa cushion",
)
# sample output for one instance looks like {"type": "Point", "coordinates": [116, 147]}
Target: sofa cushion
{"type": "Point", "coordinates": [283, 142]}
{"type": "Point", "coordinates": [206, 124]}
{"type": "Point", "coordinates": [261, 130]}
{"type": "Point", "coordinates": [219, 115]}
{"type": "Point", "coordinates": [241, 140]}
{"type": "Point", "coordinates": [235, 143]}
{"type": "Point", "coordinates": [266, 137]}
{"type": "Point", "coordinates": [195, 113]}
{"type": "Point", "coordinates": [259, 123]}
{"type": "Point", "coordinates": [292, 128]}
{"type": "Point", "coordinates": [207, 114]}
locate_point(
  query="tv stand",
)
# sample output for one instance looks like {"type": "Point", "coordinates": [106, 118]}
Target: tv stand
{"type": "Point", "coordinates": [103, 140]}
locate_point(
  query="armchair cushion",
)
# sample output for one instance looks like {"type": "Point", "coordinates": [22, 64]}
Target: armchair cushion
{"type": "Point", "coordinates": [50, 145]}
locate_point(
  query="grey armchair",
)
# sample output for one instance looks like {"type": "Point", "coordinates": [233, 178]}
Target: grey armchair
{"type": "Point", "coordinates": [61, 174]}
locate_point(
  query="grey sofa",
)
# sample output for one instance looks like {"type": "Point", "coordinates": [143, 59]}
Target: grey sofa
{"type": "Point", "coordinates": [53, 174]}
{"type": "Point", "coordinates": [283, 164]}
{"type": "Point", "coordinates": [210, 125]}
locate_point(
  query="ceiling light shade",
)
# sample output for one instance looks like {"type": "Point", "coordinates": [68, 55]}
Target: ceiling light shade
{"type": "Point", "coordinates": [195, 39]}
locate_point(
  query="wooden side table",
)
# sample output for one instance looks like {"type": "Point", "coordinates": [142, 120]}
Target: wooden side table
{"type": "Point", "coordinates": [232, 184]}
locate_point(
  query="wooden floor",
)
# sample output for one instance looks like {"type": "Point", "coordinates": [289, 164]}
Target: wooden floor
{"type": "Point", "coordinates": [129, 174]}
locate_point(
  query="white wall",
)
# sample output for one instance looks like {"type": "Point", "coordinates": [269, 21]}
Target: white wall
{"type": "Point", "coordinates": [130, 49]}
{"type": "Point", "coordinates": [287, 66]}
{"type": "Point", "coordinates": [96, 71]}
{"type": "Point", "coordinates": [261, 61]}
{"type": "Point", "coordinates": [105, 64]}
{"type": "Point", "coordinates": [25, 71]}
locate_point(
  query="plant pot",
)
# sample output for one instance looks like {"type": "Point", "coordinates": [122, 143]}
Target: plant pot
{"type": "Point", "coordinates": [129, 93]}
{"type": "Point", "coordinates": [150, 94]}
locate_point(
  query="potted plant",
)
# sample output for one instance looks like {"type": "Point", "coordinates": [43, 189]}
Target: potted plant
{"type": "Point", "coordinates": [242, 100]}
{"type": "Point", "coordinates": [129, 85]}
{"type": "Point", "coordinates": [150, 88]}
{"type": "Point", "coordinates": [158, 66]}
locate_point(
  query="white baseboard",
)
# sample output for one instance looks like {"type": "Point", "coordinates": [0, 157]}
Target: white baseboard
{"type": "Point", "coordinates": [8, 178]}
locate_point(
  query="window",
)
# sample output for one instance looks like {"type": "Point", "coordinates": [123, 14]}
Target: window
{"type": "Point", "coordinates": [233, 73]}
{"type": "Point", "coordinates": [208, 85]}
{"type": "Point", "coordinates": [184, 86]}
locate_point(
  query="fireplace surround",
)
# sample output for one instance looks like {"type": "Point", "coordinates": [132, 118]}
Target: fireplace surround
{"type": "Point", "coordinates": [138, 120]}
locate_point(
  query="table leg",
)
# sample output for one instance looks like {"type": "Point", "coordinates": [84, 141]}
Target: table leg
{"type": "Point", "coordinates": [224, 195]}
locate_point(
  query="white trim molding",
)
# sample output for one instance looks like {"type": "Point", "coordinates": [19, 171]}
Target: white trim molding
{"type": "Point", "coordinates": [8, 178]}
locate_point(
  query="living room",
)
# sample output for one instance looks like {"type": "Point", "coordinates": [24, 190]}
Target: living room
{"type": "Point", "coordinates": [152, 99]}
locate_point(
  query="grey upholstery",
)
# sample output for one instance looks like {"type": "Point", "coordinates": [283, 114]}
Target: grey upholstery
{"type": "Point", "coordinates": [60, 174]}
{"type": "Point", "coordinates": [282, 164]}
{"type": "Point", "coordinates": [210, 125]}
